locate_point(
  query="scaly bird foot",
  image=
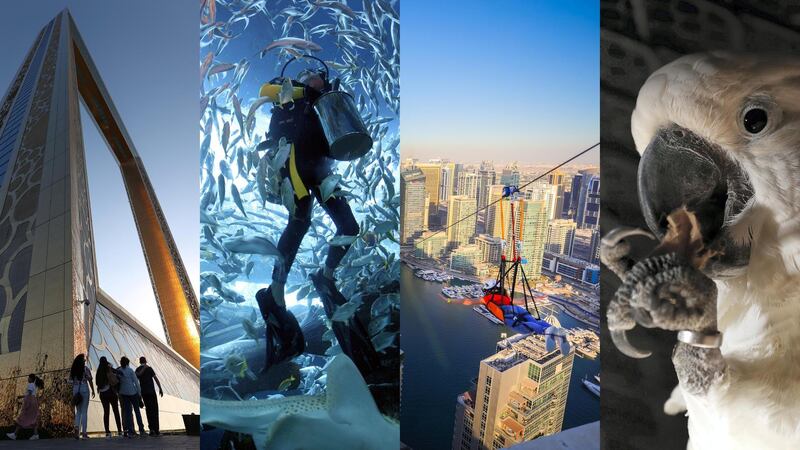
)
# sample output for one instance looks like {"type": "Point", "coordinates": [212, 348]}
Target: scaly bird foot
{"type": "Point", "coordinates": [663, 291]}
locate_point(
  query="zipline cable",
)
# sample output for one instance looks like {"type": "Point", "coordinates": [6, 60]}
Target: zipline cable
{"type": "Point", "coordinates": [576, 156]}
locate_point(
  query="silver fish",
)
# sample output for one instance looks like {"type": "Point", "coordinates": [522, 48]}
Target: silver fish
{"type": "Point", "coordinates": [292, 42]}
{"type": "Point", "coordinates": [253, 245]}
{"type": "Point", "coordinates": [220, 190]}
{"type": "Point", "coordinates": [237, 199]}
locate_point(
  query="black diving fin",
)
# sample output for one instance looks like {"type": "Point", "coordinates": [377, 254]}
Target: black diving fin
{"type": "Point", "coordinates": [352, 336]}
{"type": "Point", "coordinates": [284, 336]}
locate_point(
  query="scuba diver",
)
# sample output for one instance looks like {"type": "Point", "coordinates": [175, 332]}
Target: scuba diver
{"type": "Point", "coordinates": [309, 163]}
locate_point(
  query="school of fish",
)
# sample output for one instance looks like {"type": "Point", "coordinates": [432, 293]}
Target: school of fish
{"type": "Point", "coordinates": [240, 221]}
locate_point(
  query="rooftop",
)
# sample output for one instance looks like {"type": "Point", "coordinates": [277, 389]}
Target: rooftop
{"type": "Point", "coordinates": [518, 349]}
{"type": "Point", "coordinates": [584, 437]}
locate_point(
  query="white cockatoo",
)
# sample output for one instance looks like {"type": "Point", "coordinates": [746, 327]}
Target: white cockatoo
{"type": "Point", "coordinates": [719, 135]}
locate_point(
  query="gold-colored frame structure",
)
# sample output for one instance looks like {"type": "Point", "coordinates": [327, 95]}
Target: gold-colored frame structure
{"type": "Point", "coordinates": [56, 236]}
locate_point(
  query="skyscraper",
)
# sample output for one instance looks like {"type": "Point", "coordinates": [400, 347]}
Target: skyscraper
{"type": "Point", "coordinates": [467, 184]}
{"type": "Point", "coordinates": [586, 245]}
{"type": "Point", "coordinates": [560, 233]}
{"type": "Point", "coordinates": [533, 235]}
{"type": "Point", "coordinates": [413, 220]}
{"type": "Point", "coordinates": [557, 179]}
{"type": "Point", "coordinates": [486, 178]}
{"type": "Point", "coordinates": [494, 226]}
{"type": "Point", "coordinates": [585, 202]}
{"type": "Point", "coordinates": [430, 245]}
{"type": "Point", "coordinates": [490, 247]}
{"type": "Point", "coordinates": [448, 182]}
{"type": "Point", "coordinates": [53, 305]}
{"type": "Point", "coordinates": [539, 190]}
{"type": "Point", "coordinates": [566, 183]}
{"type": "Point", "coordinates": [467, 259]}
{"type": "Point", "coordinates": [510, 175]}
{"type": "Point", "coordinates": [457, 169]}
{"type": "Point", "coordinates": [520, 394]}
{"type": "Point", "coordinates": [530, 224]}
{"type": "Point", "coordinates": [460, 220]}
{"type": "Point", "coordinates": [433, 181]}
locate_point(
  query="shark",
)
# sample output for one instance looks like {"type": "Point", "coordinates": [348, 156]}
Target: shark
{"type": "Point", "coordinates": [346, 416]}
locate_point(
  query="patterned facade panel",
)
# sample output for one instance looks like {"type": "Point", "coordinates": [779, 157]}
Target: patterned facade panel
{"type": "Point", "coordinates": [11, 95]}
{"type": "Point", "coordinates": [84, 273]}
{"type": "Point", "coordinates": [18, 212]}
{"type": "Point", "coordinates": [114, 338]}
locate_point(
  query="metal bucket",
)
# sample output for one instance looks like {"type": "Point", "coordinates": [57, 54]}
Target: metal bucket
{"type": "Point", "coordinates": [346, 133]}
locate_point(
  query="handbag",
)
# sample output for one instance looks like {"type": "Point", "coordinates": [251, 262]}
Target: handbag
{"type": "Point", "coordinates": [113, 380]}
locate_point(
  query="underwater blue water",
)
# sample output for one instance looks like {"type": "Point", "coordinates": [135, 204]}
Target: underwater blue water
{"type": "Point", "coordinates": [443, 344]}
{"type": "Point", "coordinates": [239, 229]}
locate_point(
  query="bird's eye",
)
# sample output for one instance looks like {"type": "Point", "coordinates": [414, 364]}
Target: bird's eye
{"type": "Point", "coordinates": [754, 120]}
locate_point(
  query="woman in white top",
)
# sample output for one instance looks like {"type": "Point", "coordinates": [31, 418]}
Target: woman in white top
{"type": "Point", "coordinates": [81, 378]}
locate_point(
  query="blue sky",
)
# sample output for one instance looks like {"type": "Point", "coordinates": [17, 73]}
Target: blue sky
{"type": "Point", "coordinates": [511, 80]}
{"type": "Point", "coordinates": [146, 52]}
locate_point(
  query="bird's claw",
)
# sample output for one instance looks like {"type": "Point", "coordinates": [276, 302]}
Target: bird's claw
{"type": "Point", "coordinates": [620, 340]}
{"type": "Point", "coordinates": [614, 249]}
{"type": "Point", "coordinates": [662, 291]}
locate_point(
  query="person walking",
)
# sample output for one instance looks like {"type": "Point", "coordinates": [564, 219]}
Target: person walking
{"type": "Point", "coordinates": [131, 393]}
{"type": "Point", "coordinates": [29, 416]}
{"type": "Point", "coordinates": [146, 376]}
{"type": "Point", "coordinates": [81, 379]}
{"type": "Point", "coordinates": [107, 384]}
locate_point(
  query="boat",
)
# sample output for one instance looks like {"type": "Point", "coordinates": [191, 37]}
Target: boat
{"type": "Point", "coordinates": [593, 388]}
{"type": "Point", "coordinates": [597, 377]}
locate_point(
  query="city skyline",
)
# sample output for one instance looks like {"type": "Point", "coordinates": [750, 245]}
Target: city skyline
{"type": "Point", "coordinates": [452, 212]}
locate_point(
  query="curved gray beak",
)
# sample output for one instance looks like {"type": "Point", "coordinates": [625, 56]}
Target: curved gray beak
{"type": "Point", "coordinates": [681, 169]}
{"type": "Point", "coordinates": [678, 169]}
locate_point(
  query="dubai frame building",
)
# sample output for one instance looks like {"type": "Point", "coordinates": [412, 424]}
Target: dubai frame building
{"type": "Point", "coordinates": [50, 302]}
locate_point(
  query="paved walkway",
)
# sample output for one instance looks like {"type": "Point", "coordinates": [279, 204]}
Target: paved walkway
{"type": "Point", "coordinates": [178, 442]}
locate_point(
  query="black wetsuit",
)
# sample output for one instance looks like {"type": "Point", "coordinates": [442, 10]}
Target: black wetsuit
{"type": "Point", "coordinates": [305, 169]}
{"type": "Point", "coordinates": [299, 124]}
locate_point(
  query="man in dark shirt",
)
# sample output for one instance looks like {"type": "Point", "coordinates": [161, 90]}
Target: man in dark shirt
{"type": "Point", "coordinates": [146, 376]}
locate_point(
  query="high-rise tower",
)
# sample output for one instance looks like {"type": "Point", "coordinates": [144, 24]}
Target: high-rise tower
{"type": "Point", "coordinates": [49, 291]}
{"type": "Point", "coordinates": [585, 203]}
{"type": "Point", "coordinates": [460, 220]}
{"type": "Point", "coordinates": [520, 394]}
{"type": "Point", "coordinates": [414, 208]}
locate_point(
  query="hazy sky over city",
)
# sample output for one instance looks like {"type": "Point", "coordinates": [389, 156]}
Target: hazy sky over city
{"type": "Point", "coordinates": [146, 52]}
{"type": "Point", "coordinates": [513, 80]}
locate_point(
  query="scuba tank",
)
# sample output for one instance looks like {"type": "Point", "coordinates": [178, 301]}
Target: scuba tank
{"type": "Point", "coordinates": [347, 136]}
